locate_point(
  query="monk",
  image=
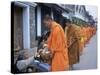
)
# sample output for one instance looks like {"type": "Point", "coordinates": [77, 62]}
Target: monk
{"type": "Point", "coordinates": [72, 33]}
{"type": "Point", "coordinates": [73, 44]}
{"type": "Point", "coordinates": [85, 34]}
{"type": "Point", "coordinates": [88, 34]}
{"type": "Point", "coordinates": [81, 33]}
{"type": "Point", "coordinates": [57, 45]}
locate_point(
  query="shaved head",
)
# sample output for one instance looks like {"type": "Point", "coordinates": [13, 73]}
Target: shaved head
{"type": "Point", "coordinates": [47, 21]}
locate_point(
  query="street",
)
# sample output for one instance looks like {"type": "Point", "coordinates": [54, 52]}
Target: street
{"type": "Point", "coordinates": [88, 60]}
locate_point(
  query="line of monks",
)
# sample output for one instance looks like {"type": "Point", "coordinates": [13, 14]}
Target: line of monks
{"type": "Point", "coordinates": [77, 38]}
{"type": "Point", "coordinates": [66, 45]}
{"type": "Point", "coordinates": [86, 33]}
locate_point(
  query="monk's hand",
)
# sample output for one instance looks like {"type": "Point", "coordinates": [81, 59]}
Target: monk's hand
{"type": "Point", "coordinates": [45, 45]}
{"type": "Point", "coordinates": [37, 55]}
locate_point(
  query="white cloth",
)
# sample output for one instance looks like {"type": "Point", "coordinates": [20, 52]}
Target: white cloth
{"type": "Point", "coordinates": [22, 64]}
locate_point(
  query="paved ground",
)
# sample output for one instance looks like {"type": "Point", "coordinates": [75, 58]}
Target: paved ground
{"type": "Point", "coordinates": [88, 60]}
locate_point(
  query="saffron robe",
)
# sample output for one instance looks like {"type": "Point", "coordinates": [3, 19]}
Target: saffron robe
{"type": "Point", "coordinates": [57, 44]}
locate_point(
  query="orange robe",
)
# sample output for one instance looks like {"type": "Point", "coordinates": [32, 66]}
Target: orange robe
{"type": "Point", "coordinates": [81, 40]}
{"type": "Point", "coordinates": [83, 33]}
{"type": "Point", "coordinates": [57, 45]}
{"type": "Point", "coordinates": [88, 34]}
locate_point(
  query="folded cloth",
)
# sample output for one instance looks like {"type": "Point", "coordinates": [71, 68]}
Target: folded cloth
{"type": "Point", "coordinates": [44, 67]}
{"type": "Point", "coordinates": [23, 64]}
{"type": "Point", "coordinates": [40, 66]}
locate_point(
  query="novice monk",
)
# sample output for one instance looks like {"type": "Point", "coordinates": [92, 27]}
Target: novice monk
{"type": "Point", "coordinates": [57, 45]}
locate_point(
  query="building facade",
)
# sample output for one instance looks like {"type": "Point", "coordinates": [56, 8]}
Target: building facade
{"type": "Point", "coordinates": [28, 20]}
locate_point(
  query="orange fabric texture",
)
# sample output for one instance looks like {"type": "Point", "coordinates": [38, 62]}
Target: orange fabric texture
{"type": "Point", "coordinates": [57, 45]}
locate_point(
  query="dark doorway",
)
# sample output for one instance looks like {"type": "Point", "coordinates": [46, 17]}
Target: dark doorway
{"type": "Point", "coordinates": [18, 27]}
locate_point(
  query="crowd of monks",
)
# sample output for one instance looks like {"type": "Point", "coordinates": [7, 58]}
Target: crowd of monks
{"type": "Point", "coordinates": [74, 38]}
{"type": "Point", "coordinates": [66, 45]}
{"type": "Point", "coordinates": [86, 33]}
{"type": "Point", "coordinates": [77, 38]}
